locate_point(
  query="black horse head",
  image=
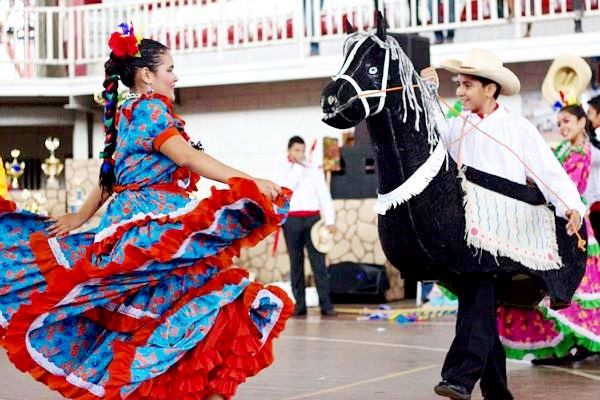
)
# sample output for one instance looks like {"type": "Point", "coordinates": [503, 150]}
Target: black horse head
{"type": "Point", "coordinates": [368, 66]}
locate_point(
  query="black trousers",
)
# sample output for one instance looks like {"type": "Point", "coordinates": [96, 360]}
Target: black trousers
{"type": "Point", "coordinates": [296, 231]}
{"type": "Point", "coordinates": [476, 352]}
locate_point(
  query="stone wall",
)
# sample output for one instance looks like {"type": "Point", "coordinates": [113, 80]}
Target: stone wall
{"type": "Point", "coordinates": [85, 173]}
{"type": "Point", "coordinates": [82, 172]}
{"type": "Point", "coordinates": [356, 240]}
{"type": "Point", "coordinates": [55, 204]}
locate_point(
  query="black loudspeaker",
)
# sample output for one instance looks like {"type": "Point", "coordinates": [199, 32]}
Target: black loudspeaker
{"type": "Point", "coordinates": [416, 48]}
{"type": "Point", "coordinates": [358, 283]}
{"type": "Point", "coordinates": [358, 176]}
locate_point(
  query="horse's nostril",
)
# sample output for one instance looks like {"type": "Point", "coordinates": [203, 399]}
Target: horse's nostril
{"type": "Point", "coordinates": [331, 100]}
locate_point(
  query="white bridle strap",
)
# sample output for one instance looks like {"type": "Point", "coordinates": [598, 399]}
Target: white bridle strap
{"type": "Point", "coordinates": [363, 95]}
{"type": "Point", "coordinates": [384, 81]}
{"type": "Point", "coordinates": [359, 91]}
{"type": "Point", "coordinates": [350, 58]}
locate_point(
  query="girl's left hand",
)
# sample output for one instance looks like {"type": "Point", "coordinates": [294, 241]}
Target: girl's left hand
{"type": "Point", "coordinates": [64, 224]}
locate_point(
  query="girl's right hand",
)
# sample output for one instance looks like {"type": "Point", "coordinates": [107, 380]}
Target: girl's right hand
{"type": "Point", "coordinates": [268, 188]}
{"type": "Point", "coordinates": [65, 224]}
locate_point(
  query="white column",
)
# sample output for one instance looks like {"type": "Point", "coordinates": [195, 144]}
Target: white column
{"type": "Point", "coordinates": [80, 136]}
{"type": "Point", "coordinates": [98, 136]}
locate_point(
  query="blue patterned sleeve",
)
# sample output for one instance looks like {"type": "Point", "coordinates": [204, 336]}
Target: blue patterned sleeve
{"type": "Point", "coordinates": [156, 123]}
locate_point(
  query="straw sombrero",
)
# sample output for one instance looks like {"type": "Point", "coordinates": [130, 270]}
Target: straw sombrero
{"type": "Point", "coordinates": [484, 64]}
{"type": "Point", "coordinates": [321, 238]}
{"type": "Point", "coordinates": [569, 74]}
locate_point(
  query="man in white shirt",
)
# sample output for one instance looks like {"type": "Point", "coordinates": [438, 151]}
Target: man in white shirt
{"type": "Point", "coordinates": [476, 352]}
{"type": "Point", "coordinates": [310, 202]}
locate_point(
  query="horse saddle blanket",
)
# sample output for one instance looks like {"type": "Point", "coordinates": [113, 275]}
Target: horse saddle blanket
{"type": "Point", "coordinates": [510, 220]}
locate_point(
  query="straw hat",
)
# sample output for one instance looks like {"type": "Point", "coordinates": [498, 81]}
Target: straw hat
{"type": "Point", "coordinates": [569, 74]}
{"type": "Point", "coordinates": [321, 238]}
{"type": "Point", "coordinates": [484, 64]}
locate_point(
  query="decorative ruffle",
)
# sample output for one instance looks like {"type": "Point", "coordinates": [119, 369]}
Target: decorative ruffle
{"type": "Point", "coordinates": [586, 302]}
{"type": "Point", "coordinates": [231, 352]}
{"type": "Point", "coordinates": [581, 335]}
{"type": "Point", "coordinates": [60, 281]}
{"type": "Point", "coordinates": [558, 333]}
{"type": "Point", "coordinates": [7, 205]}
{"type": "Point", "coordinates": [560, 349]}
{"type": "Point", "coordinates": [588, 292]}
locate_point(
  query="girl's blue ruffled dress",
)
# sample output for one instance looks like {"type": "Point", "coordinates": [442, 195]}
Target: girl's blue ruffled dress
{"type": "Point", "coordinates": [145, 306]}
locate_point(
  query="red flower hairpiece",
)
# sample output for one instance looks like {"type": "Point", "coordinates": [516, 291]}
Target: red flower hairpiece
{"type": "Point", "coordinates": [124, 44]}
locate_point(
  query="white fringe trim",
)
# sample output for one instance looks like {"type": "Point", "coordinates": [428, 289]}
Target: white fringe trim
{"type": "Point", "coordinates": [537, 258]}
{"type": "Point", "coordinates": [415, 184]}
{"type": "Point", "coordinates": [89, 386]}
{"type": "Point", "coordinates": [37, 356]}
{"type": "Point", "coordinates": [58, 254]}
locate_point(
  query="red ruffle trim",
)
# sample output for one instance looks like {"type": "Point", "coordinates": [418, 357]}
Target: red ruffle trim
{"type": "Point", "coordinates": [196, 219]}
{"type": "Point", "coordinates": [231, 352]}
{"type": "Point", "coordinates": [60, 281]}
{"type": "Point", "coordinates": [164, 136]}
{"type": "Point", "coordinates": [7, 205]}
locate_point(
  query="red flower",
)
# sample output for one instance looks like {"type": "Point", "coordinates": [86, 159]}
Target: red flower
{"type": "Point", "coordinates": [124, 44]}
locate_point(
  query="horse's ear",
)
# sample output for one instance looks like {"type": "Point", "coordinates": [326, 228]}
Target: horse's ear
{"type": "Point", "coordinates": [381, 25]}
{"type": "Point", "coordinates": [348, 28]}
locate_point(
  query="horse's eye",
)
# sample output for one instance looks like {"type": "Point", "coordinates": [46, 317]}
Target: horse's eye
{"type": "Point", "coordinates": [372, 70]}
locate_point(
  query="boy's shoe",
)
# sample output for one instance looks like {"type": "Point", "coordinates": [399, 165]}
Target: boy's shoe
{"type": "Point", "coordinates": [299, 312]}
{"type": "Point", "coordinates": [451, 390]}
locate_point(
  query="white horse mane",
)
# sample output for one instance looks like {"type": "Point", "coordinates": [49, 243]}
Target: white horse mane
{"type": "Point", "coordinates": [408, 77]}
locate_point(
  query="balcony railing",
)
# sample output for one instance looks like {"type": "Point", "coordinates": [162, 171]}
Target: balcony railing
{"type": "Point", "coordinates": [67, 41]}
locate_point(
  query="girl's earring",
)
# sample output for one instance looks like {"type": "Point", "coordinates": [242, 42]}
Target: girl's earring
{"type": "Point", "coordinates": [150, 90]}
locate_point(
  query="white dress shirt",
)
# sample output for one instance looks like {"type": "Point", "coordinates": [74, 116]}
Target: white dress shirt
{"type": "Point", "coordinates": [310, 190]}
{"type": "Point", "coordinates": [482, 153]}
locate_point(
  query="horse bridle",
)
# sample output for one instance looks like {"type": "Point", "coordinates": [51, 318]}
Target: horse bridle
{"type": "Point", "coordinates": [363, 95]}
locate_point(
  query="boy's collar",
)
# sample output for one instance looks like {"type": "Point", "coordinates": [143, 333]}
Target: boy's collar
{"type": "Point", "coordinates": [482, 116]}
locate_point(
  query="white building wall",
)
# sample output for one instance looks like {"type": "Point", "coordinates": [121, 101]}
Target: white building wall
{"type": "Point", "coordinates": [255, 141]}
{"type": "Point", "coordinates": [248, 126]}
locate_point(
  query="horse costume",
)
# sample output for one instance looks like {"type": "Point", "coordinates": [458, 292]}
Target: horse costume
{"type": "Point", "coordinates": [431, 214]}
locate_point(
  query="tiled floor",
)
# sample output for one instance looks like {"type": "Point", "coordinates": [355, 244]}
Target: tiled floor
{"type": "Point", "coordinates": [342, 359]}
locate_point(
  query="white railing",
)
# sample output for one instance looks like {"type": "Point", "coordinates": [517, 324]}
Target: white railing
{"type": "Point", "coordinates": [74, 38]}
